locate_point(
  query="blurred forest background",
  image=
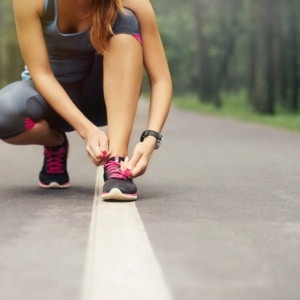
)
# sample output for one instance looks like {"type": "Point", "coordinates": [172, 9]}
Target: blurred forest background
{"type": "Point", "coordinates": [214, 47]}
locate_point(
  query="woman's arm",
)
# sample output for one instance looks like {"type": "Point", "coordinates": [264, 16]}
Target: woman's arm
{"type": "Point", "coordinates": [34, 52]}
{"type": "Point", "coordinates": [160, 80]}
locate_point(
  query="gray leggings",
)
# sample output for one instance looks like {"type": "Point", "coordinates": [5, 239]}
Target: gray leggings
{"type": "Point", "coordinates": [21, 105]}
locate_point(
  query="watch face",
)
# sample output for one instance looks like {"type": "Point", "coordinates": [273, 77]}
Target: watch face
{"type": "Point", "coordinates": [158, 142]}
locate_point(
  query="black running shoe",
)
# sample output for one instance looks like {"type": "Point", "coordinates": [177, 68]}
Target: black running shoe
{"type": "Point", "coordinates": [118, 186]}
{"type": "Point", "coordinates": [54, 172]}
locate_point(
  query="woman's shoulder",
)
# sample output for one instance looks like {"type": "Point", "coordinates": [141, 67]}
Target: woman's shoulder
{"type": "Point", "coordinates": [137, 5]}
{"type": "Point", "coordinates": [142, 8]}
{"type": "Point", "coordinates": [29, 7]}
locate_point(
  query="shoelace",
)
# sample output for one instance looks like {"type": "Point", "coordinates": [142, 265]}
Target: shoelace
{"type": "Point", "coordinates": [54, 160]}
{"type": "Point", "coordinates": [113, 169]}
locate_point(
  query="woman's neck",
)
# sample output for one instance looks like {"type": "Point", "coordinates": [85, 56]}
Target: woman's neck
{"type": "Point", "coordinates": [73, 15]}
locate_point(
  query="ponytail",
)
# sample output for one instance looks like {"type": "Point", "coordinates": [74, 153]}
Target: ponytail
{"type": "Point", "coordinates": [104, 14]}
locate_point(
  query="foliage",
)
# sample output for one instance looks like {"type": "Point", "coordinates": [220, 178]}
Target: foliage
{"type": "Point", "coordinates": [233, 45]}
{"type": "Point", "coordinates": [237, 107]}
{"type": "Point", "coordinates": [10, 58]}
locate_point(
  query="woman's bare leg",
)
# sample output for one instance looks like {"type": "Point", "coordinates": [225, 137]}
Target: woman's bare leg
{"type": "Point", "coordinates": [123, 69]}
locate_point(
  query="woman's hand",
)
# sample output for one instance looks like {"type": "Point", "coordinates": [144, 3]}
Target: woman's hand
{"type": "Point", "coordinates": [141, 156]}
{"type": "Point", "coordinates": [97, 146]}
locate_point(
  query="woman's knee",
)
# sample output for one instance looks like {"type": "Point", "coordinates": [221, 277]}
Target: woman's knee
{"type": "Point", "coordinates": [19, 109]}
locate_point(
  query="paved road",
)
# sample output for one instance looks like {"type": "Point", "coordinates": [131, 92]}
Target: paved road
{"type": "Point", "coordinates": [219, 206]}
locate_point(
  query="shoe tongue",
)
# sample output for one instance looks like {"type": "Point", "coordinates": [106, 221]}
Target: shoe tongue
{"type": "Point", "coordinates": [117, 159]}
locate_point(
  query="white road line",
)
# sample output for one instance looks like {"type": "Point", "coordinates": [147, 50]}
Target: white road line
{"type": "Point", "coordinates": [120, 262]}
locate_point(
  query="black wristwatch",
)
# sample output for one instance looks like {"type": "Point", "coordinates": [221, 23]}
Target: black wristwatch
{"type": "Point", "coordinates": [153, 133]}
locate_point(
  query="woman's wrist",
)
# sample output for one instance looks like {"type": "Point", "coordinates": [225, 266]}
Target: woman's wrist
{"type": "Point", "coordinates": [86, 128]}
{"type": "Point", "coordinates": [154, 135]}
{"type": "Point", "coordinates": [150, 140]}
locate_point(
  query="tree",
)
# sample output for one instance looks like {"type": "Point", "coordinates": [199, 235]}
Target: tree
{"type": "Point", "coordinates": [264, 82]}
{"type": "Point", "coordinates": [10, 58]}
{"type": "Point", "coordinates": [294, 52]}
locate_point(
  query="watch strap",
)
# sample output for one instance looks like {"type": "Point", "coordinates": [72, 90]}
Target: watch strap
{"type": "Point", "coordinates": [153, 133]}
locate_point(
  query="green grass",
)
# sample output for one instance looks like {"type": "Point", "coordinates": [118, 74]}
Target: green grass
{"type": "Point", "coordinates": [236, 107]}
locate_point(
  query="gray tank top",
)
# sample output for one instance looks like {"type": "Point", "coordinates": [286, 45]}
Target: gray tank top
{"type": "Point", "coordinates": [70, 55]}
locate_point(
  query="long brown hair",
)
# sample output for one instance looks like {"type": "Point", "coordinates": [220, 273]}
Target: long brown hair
{"type": "Point", "coordinates": [104, 14]}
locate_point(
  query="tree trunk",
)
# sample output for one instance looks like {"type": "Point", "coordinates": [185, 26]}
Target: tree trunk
{"type": "Point", "coordinates": [229, 29]}
{"type": "Point", "coordinates": [264, 82]}
{"type": "Point", "coordinates": [204, 71]}
{"type": "Point", "coordinates": [294, 49]}
{"type": "Point", "coordinates": [270, 58]}
{"type": "Point", "coordinates": [252, 50]}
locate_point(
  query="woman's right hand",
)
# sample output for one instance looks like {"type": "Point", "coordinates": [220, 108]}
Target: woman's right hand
{"type": "Point", "coordinates": [97, 146]}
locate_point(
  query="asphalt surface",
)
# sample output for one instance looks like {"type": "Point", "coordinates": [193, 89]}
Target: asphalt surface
{"type": "Point", "coordinates": [220, 203]}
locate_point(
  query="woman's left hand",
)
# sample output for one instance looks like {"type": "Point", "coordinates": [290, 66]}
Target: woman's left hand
{"type": "Point", "coordinates": [141, 157]}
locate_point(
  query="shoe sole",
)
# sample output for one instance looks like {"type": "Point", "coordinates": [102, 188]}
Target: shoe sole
{"type": "Point", "coordinates": [117, 195]}
{"type": "Point", "coordinates": [54, 185]}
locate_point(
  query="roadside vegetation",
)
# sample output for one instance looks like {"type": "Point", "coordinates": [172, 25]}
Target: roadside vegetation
{"type": "Point", "coordinates": [235, 58]}
{"type": "Point", "coordinates": [236, 107]}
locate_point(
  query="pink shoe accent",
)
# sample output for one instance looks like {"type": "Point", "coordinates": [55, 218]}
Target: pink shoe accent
{"type": "Point", "coordinates": [138, 37]}
{"type": "Point", "coordinates": [113, 168]}
{"type": "Point", "coordinates": [55, 160]}
{"type": "Point", "coordinates": [29, 124]}
{"type": "Point", "coordinates": [54, 185]}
